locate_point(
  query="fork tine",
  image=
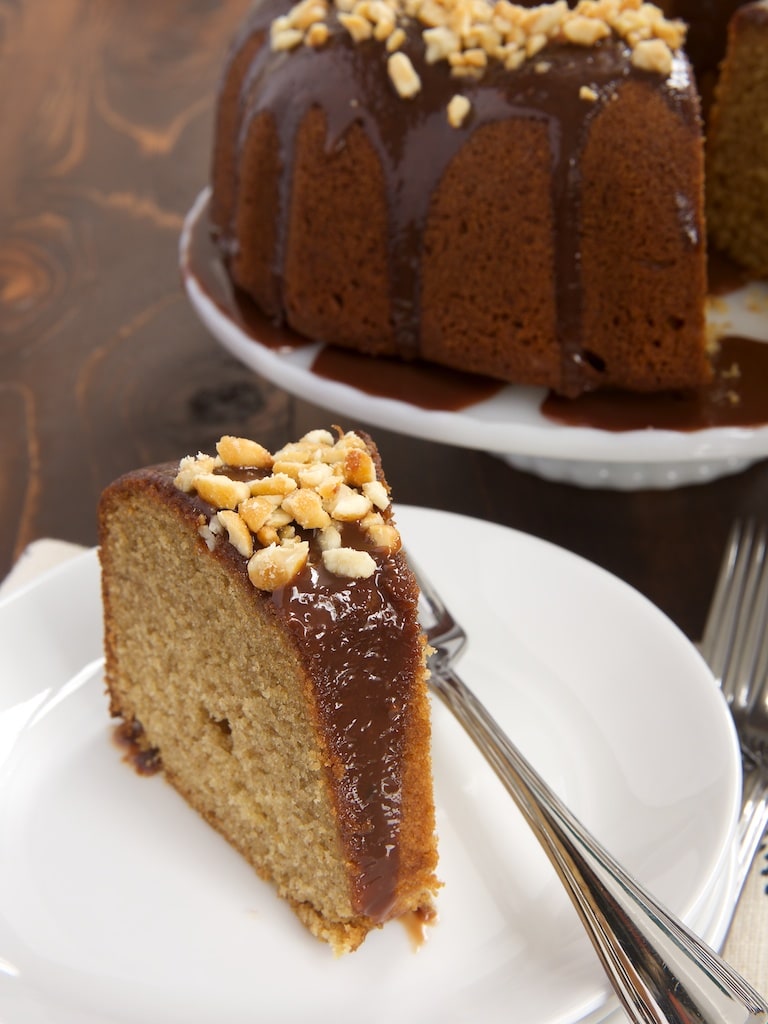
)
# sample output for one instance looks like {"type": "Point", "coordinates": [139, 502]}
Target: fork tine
{"type": "Point", "coordinates": [759, 696]}
{"type": "Point", "coordinates": [753, 665]}
{"type": "Point", "coordinates": [436, 620]}
{"type": "Point", "coordinates": [741, 676]}
{"type": "Point", "coordinates": [431, 600]}
{"type": "Point", "coordinates": [728, 623]}
{"type": "Point", "coordinates": [718, 631]}
{"type": "Point", "coordinates": [736, 648]}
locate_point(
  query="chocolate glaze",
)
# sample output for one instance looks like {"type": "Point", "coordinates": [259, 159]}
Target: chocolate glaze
{"type": "Point", "coordinates": [429, 386]}
{"type": "Point", "coordinates": [416, 923]}
{"type": "Point", "coordinates": [361, 647]}
{"type": "Point", "coordinates": [737, 397]}
{"type": "Point", "coordinates": [425, 385]}
{"type": "Point", "coordinates": [415, 143]}
{"type": "Point", "coordinates": [129, 736]}
{"type": "Point", "coordinates": [205, 264]}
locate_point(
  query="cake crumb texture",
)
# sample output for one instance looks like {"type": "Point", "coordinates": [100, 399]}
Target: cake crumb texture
{"type": "Point", "coordinates": [207, 669]}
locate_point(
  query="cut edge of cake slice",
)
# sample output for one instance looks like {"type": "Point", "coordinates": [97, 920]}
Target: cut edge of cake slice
{"type": "Point", "coordinates": [262, 647]}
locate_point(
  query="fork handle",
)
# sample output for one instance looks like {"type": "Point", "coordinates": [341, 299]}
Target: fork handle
{"type": "Point", "coordinates": [661, 971]}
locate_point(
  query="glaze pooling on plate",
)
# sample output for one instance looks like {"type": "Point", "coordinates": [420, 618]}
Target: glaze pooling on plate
{"type": "Point", "coordinates": [89, 851]}
{"type": "Point", "coordinates": [510, 423]}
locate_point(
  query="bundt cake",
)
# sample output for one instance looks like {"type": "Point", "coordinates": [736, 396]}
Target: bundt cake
{"type": "Point", "coordinates": [504, 190]}
{"type": "Point", "coordinates": [737, 146]}
{"type": "Point", "coordinates": [262, 646]}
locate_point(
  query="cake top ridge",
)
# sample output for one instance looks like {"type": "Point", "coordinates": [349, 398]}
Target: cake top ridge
{"type": "Point", "coordinates": [263, 500]}
{"type": "Point", "coordinates": [471, 34]}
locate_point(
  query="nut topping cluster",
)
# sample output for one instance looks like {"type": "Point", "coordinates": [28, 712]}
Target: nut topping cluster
{"type": "Point", "coordinates": [470, 34]}
{"type": "Point", "coordinates": [317, 483]}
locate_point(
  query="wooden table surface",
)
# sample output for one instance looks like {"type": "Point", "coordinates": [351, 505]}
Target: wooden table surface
{"type": "Point", "coordinates": [106, 113]}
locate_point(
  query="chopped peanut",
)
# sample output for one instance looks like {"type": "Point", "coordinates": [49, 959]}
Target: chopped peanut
{"type": "Point", "coordinates": [468, 34]}
{"type": "Point", "coordinates": [239, 535]}
{"type": "Point", "coordinates": [316, 484]}
{"type": "Point", "coordinates": [221, 491]}
{"type": "Point", "coordinates": [276, 565]}
{"type": "Point", "coordinates": [349, 562]}
{"type": "Point", "coordinates": [239, 451]}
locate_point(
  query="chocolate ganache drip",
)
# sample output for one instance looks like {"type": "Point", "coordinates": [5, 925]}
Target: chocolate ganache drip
{"type": "Point", "coordinates": [362, 658]}
{"type": "Point", "coordinates": [415, 142]}
{"type": "Point", "coordinates": [361, 645]}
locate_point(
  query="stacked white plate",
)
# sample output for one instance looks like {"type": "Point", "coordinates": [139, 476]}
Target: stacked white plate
{"type": "Point", "coordinates": [118, 904]}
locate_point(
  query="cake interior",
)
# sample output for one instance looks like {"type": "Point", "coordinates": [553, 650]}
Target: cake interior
{"type": "Point", "coordinates": [257, 731]}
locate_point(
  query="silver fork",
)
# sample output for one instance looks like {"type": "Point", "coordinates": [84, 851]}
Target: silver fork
{"type": "Point", "coordinates": [735, 646]}
{"type": "Point", "coordinates": [661, 972]}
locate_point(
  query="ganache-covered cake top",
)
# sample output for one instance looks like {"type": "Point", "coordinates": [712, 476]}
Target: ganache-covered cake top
{"type": "Point", "coordinates": [310, 527]}
{"type": "Point", "coordinates": [420, 76]}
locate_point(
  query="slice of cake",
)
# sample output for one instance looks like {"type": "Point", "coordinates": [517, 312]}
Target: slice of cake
{"type": "Point", "coordinates": [262, 643]}
{"type": "Point", "coordinates": [737, 146]}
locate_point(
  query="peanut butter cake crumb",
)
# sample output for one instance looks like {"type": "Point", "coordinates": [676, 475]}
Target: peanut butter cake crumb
{"type": "Point", "coordinates": [261, 640]}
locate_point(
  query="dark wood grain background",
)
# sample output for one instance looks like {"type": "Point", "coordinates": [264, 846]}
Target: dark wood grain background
{"type": "Point", "coordinates": [105, 131]}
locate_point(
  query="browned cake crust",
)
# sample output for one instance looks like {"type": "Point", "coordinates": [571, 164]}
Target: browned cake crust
{"type": "Point", "coordinates": [737, 147]}
{"type": "Point", "coordinates": [548, 232]}
{"type": "Point", "coordinates": [294, 718]}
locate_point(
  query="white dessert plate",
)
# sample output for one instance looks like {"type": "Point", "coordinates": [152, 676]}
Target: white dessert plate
{"type": "Point", "coordinates": [509, 424]}
{"type": "Point", "coordinates": [118, 904]}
